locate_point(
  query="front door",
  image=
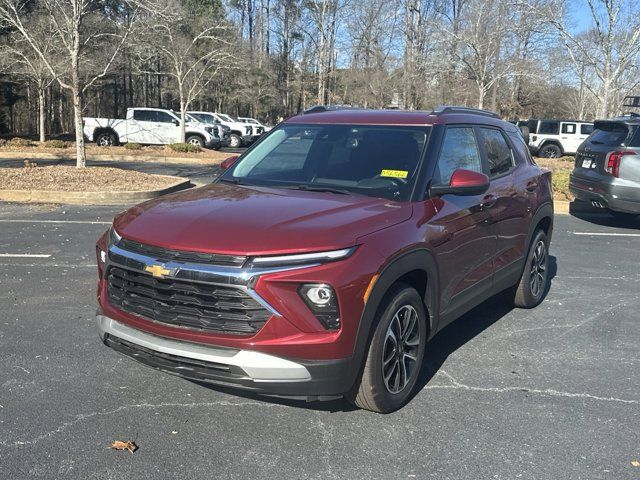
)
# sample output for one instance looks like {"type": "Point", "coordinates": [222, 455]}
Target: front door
{"type": "Point", "coordinates": [461, 235]}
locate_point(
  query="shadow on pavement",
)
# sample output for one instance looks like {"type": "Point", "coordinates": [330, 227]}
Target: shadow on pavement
{"type": "Point", "coordinates": [447, 341]}
{"type": "Point", "coordinates": [606, 220]}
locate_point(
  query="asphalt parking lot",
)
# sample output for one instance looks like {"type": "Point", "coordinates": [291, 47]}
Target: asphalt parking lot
{"type": "Point", "coordinates": [549, 393]}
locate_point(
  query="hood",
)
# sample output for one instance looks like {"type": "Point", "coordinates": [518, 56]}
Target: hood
{"type": "Point", "coordinates": [241, 220]}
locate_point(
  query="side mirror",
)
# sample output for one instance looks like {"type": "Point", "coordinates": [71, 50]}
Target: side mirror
{"type": "Point", "coordinates": [227, 163]}
{"type": "Point", "coordinates": [463, 182]}
{"type": "Point", "coordinates": [176, 122]}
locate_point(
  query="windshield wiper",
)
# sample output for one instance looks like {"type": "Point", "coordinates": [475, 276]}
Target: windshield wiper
{"type": "Point", "coordinates": [311, 188]}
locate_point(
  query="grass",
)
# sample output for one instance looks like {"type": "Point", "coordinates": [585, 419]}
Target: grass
{"type": "Point", "coordinates": [560, 170]}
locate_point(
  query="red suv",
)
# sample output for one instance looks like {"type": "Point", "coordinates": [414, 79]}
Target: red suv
{"type": "Point", "coordinates": [322, 261]}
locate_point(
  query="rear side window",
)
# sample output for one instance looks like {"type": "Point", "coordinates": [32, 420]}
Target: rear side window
{"type": "Point", "coordinates": [586, 129]}
{"type": "Point", "coordinates": [549, 128]}
{"type": "Point", "coordinates": [459, 150]}
{"type": "Point", "coordinates": [144, 115]}
{"type": "Point", "coordinates": [569, 128]}
{"type": "Point", "coordinates": [609, 134]}
{"type": "Point", "coordinates": [499, 155]}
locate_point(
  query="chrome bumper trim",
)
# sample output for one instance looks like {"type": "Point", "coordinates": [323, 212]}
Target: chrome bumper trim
{"type": "Point", "coordinates": [260, 367]}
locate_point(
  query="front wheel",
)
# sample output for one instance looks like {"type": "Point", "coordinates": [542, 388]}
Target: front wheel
{"type": "Point", "coordinates": [529, 291]}
{"type": "Point", "coordinates": [393, 362]}
{"type": "Point", "coordinates": [235, 141]}
{"type": "Point", "coordinates": [196, 140]}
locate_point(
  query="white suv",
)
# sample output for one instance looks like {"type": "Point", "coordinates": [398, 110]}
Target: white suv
{"type": "Point", "coordinates": [555, 138]}
{"type": "Point", "coordinates": [262, 128]}
{"type": "Point", "coordinates": [241, 134]}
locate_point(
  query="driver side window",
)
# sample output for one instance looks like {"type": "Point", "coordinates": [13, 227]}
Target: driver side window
{"type": "Point", "coordinates": [459, 150]}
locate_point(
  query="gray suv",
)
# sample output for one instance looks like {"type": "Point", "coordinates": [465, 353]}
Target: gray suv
{"type": "Point", "coordinates": [607, 168]}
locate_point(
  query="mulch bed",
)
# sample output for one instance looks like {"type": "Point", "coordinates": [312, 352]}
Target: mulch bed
{"type": "Point", "coordinates": [88, 179]}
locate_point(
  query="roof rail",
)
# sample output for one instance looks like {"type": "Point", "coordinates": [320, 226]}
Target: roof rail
{"type": "Point", "coordinates": [328, 108]}
{"type": "Point", "coordinates": [443, 109]}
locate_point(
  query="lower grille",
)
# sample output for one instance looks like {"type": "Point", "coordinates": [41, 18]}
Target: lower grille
{"type": "Point", "coordinates": [198, 370]}
{"type": "Point", "coordinates": [181, 303]}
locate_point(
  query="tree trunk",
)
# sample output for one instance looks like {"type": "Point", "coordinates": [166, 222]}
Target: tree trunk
{"type": "Point", "coordinates": [42, 114]}
{"type": "Point", "coordinates": [183, 111]}
{"type": "Point", "coordinates": [81, 159]}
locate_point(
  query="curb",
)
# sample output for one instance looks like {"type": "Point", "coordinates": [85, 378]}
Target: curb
{"type": "Point", "coordinates": [91, 198]}
{"type": "Point", "coordinates": [107, 158]}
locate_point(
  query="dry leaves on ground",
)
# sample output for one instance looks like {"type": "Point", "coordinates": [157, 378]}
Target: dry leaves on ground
{"type": "Point", "coordinates": [120, 445]}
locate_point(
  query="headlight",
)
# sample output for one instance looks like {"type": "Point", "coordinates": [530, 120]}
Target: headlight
{"type": "Point", "coordinates": [322, 301]}
{"type": "Point", "coordinates": [302, 258]}
{"type": "Point", "coordinates": [210, 130]}
{"type": "Point", "coordinates": [114, 238]}
{"type": "Point", "coordinates": [248, 130]}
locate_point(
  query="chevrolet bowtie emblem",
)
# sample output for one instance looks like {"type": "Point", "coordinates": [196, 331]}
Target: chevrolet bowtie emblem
{"type": "Point", "coordinates": [157, 271]}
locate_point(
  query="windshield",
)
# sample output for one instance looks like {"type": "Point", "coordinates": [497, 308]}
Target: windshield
{"type": "Point", "coordinates": [226, 118]}
{"type": "Point", "coordinates": [377, 161]}
{"type": "Point", "coordinates": [191, 118]}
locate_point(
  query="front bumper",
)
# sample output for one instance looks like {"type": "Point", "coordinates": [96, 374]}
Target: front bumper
{"type": "Point", "coordinates": [619, 198]}
{"type": "Point", "coordinates": [214, 142]}
{"type": "Point", "coordinates": [229, 367]}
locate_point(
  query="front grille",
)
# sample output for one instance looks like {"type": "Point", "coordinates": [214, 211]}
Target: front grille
{"type": "Point", "coordinates": [260, 130]}
{"type": "Point", "coordinates": [162, 254]}
{"type": "Point", "coordinates": [205, 307]}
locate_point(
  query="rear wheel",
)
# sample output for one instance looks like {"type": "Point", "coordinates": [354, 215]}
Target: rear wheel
{"type": "Point", "coordinates": [106, 139]}
{"type": "Point", "coordinates": [235, 141]}
{"type": "Point", "coordinates": [529, 291]}
{"type": "Point", "coordinates": [551, 150]}
{"type": "Point", "coordinates": [393, 362]}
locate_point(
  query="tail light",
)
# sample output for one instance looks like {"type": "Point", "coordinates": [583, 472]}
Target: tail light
{"type": "Point", "coordinates": [614, 161]}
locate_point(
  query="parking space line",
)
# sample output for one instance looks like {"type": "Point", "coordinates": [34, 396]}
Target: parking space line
{"type": "Point", "coordinates": [607, 234]}
{"type": "Point", "coordinates": [24, 255]}
{"type": "Point", "coordinates": [85, 222]}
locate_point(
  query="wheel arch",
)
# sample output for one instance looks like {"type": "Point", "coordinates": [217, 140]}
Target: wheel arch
{"type": "Point", "coordinates": [551, 141]}
{"type": "Point", "coordinates": [98, 130]}
{"type": "Point", "coordinates": [417, 268]}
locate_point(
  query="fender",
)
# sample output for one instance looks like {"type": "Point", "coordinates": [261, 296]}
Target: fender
{"type": "Point", "coordinates": [544, 211]}
{"type": "Point", "coordinates": [418, 259]}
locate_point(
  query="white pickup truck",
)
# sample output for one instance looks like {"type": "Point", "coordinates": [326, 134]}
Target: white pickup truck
{"type": "Point", "coordinates": [152, 126]}
{"type": "Point", "coordinates": [241, 133]}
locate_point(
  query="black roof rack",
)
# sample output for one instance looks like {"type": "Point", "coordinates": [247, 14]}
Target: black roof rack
{"type": "Point", "coordinates": [444, 109]}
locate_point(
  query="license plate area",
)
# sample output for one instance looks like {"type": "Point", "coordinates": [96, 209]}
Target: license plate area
{"type": "Point", "coordinates": [587, 162]}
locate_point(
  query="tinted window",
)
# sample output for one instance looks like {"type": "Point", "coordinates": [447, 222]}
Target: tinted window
{"type": "Point", "coordinates": [548, 128]}
{"type": "Point", "coordinates": [609, 134]}
{"type": "Point", "coordinates": [377, 161]}
{"type": "Point", "coordinates": [586, 129]}
{"type": "Point", "coordinates": [144, 115]}
{"type": "Point", "coordinates": [498, 152]}
{"type": "Point", "coordinates": [459, 150]}
{"type": "Point", "coordinates": [569, 128]}
{"type": "Point", "coordinates": [164, 117]}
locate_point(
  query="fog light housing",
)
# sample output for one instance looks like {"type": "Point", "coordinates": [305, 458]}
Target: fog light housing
{"type": "Point", "coordinates": [323, 303]}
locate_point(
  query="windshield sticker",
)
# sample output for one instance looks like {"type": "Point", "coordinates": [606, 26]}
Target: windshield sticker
{"type": "Point", "coordinates": [394, 173]}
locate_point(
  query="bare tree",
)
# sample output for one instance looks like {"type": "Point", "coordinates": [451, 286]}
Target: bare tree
{"type": "Point", "coordinates": [195, 46]}
{"type": "Point", "coordinates": [87, 33]}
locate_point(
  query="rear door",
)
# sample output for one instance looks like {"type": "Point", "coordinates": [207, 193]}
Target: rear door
{"type": "Point", "coordinates": [507, 200]}
{"type": "Point", "coordinates": [139, 130]}
{"type": "Point", "coordinates": [465, 243]}
{"type": "Point", "coordinates": [570, 137]}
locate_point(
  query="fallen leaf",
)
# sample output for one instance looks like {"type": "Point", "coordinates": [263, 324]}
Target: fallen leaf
{"type": "Point", "coordinates": [635, 463]}
{"type": "Point", "coordinates": [128, 445]}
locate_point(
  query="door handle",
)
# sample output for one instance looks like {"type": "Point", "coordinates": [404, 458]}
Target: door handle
{"type": "Point", "coordinates": [488, 201]}
{"type": "Point", "coordinates": [531, 186]}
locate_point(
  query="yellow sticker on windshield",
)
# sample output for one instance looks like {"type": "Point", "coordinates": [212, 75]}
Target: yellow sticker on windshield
{"type": "Point", "coordinates": [394, 173]}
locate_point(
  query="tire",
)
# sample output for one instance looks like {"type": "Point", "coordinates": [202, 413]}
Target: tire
{"type": "Point", "coordinates": [401, 310]}
{"type": "Point", "coordinates": [106, 139]}
{"type": "Point", "coordinates": [195, 140]}
{"type": "Point", "coordinates": [550, 150]}
{"type": "Point", "coordinates": [530, 289]}
{"type": "Point", "coordinates": [235, 141]}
